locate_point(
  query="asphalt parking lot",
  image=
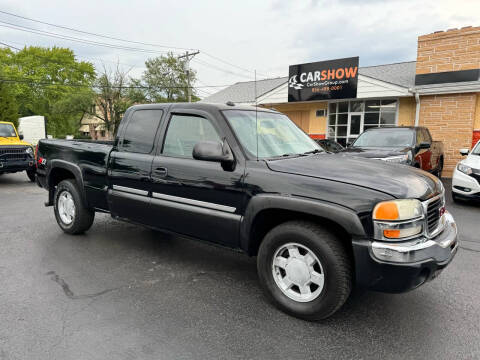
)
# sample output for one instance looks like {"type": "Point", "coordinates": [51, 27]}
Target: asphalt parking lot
{"type": "Point", "coordinates": [125, 292]}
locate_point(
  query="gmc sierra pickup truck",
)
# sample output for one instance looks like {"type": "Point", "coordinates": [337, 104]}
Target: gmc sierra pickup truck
{"type": "Point", "coordinates": [404, 145]}
{"type": "Point", "coordinates": [250, 179]}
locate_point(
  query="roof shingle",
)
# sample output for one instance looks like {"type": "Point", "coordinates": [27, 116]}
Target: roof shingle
{"type": "Point", "coordinates": [401, 74]}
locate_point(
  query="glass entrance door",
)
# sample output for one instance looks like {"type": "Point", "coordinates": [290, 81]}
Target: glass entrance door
{"type": "Point", "coordinates": [355, 126]}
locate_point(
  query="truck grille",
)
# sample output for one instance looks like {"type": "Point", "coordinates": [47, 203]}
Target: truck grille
{"type": "Point", "coordinates": [433, 214]}
{"type": "Point", "coordinates": [12, 153]}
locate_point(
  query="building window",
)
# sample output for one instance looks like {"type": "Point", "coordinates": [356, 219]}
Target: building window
{"type": "Point", "coordinates": [320, 113]}
{"type": "Point", "coordinates": [348, 119]}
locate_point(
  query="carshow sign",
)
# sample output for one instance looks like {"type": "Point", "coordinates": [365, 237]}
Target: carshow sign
{"type": "Point", "coordinates": [324, 80]}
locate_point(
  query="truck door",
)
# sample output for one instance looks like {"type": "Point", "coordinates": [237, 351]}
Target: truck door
{"type": "Point", "coordinates": [424, 156]}
{"type": "Point", "coordinates": [195, 197]}
{"type": "Point", "coordinates": [130, 165]}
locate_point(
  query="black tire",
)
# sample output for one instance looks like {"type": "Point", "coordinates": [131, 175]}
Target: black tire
{"type": "Point", "coordinates": [455, 198]}
{"type": "Point", "coordinates": [334, 259]}
{"type": "Point", "coordinates": [83, 218]}
{"type": "Point", "coordinates": [31, 175]}
{"type": "Point", "coordinates": [438, 173]}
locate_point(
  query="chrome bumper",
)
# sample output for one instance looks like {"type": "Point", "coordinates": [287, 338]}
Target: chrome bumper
{"type": "Point", "coordinates": [441, 248]}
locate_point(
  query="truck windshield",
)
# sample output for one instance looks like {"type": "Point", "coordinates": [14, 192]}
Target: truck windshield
{"type": "Point", "coordinates": [7, 130]}
{"type": "Point", "coordinates": [277, 134]}
{"type": "Point", "coordinates": [476, 149]}
{"type": "Point", "coordinates": [385, 138]}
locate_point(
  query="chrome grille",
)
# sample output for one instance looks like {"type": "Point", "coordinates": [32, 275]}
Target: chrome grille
{"type": "Point", "coordinates": [433, 214]}
{"type": "Point", "coordinates": [12, 153]}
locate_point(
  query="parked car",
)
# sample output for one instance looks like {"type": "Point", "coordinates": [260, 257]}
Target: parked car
{"type": "Point", "coordinates": [466, 176]}
{"type": "Point", "coordinates": [403, 145]}
{"type": "Point", "coordinates": [318, 226]}
{"type": "Point", "coordinates": [15, 154]}
{"type": "Point", "coordinates": [329, 145]}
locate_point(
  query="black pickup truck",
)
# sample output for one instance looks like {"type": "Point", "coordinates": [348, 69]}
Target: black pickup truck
{"type": "Point", "coordinates": [250, 179]}
{"type": "Point", "coordinates": [403, 145]}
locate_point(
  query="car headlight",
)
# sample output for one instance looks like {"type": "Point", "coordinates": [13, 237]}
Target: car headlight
{"type": "Point", "coordinates": [400, 159]}
{"type": "Point", "coordinates": [464, 168]}
{"type": "Point", "coordinates": [398, 219]}
{"type": "Point", "coordinates": [29, 150]}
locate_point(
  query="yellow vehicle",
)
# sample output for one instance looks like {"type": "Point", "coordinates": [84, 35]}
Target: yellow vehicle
{"type": "Point", "coordinates": [15, 154]}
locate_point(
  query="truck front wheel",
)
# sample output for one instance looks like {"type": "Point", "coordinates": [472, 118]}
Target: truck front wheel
{"type": "Point", "coordinates": [305, 270]}
{"type": "Point", "coordinates": [31, 175]}
{"type": "Point", "coordinates": [72, 215]}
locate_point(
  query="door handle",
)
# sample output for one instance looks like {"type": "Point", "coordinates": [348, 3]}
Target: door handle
{"type": "Point", "coordinates": [161, 171]}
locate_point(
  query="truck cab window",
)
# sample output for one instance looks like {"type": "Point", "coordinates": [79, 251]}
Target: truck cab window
{"type": "Point", "coordinates": [426, 136]}
{"type": "Point", "coordinates": [140, 132]}
{"type": "Point", "coordinates": [184, 131]}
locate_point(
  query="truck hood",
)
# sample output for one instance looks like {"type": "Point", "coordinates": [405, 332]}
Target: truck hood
{"type": "Point", "coordinates": [399, 181]}
{"type": "Point", "coordinates": [12, 141]}
{"type": "Point", "coordinates": [372, 152]}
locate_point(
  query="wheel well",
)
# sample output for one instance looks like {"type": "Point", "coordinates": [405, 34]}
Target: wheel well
{"type": "Point", "coordinates": [57, 175]}
{"type": "Point", "coordinates": [268, 219]}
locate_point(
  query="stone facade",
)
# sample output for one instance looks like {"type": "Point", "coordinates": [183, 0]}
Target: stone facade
{"type": "Point", "coordinates": [450, 119]}
{"type": "Point", "coordinates": [452, 50]}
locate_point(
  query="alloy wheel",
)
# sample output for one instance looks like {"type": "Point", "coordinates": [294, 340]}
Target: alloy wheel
{"type": "Point", "coordinates": [297, 272]}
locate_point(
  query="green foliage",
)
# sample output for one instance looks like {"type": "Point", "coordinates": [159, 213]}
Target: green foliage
{"type": "Point", "coordinates": [8, 104]}
{"type": "Point", "coordinates": [45, 80]}
{"type": "Point", "coordinates": [166, 79]}
{"type": "Point", "coordinates": [53, 83]}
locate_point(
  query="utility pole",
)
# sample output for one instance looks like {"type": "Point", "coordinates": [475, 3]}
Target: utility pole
{"type": "Point", "coordinates": [188, 56]}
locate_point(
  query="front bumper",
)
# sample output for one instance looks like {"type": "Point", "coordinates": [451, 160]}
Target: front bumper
{"type": "Point", "coordinates": [462, 182]}
{"type": "Point", "coordinates": [10, 166]}
{"type": "Point", "coordinates": [398, 267]}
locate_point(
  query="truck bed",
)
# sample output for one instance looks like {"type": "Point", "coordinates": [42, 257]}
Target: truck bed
{"type": "Point", "coordinates": [91, 158]}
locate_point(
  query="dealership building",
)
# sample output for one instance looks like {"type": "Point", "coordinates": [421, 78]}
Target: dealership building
{"type": "Point", "coordinates": [440, 90]}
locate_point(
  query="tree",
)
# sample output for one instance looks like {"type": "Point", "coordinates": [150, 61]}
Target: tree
{"type": "Point", "coordinates": [8, 104]}
{"type": "Point", "coordinates": [166, 79]}
{"type": "Point", "coordinates": [114, 96]}
{"type": "Point", "coordinates": [44, 77]}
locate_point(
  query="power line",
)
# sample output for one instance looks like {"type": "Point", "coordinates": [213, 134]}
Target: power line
{"type": "Point", "coordinates": [89, 42]}
{"type": "Point", "coordinates": [47, 83]}
{"type": "Point", "coordinates": [93, 34]}
{"type": "Point", "coordinates": [78, 56]}
{"type": "Point", "coordinates": [127, 41]}
{"type": "Point", "coordinates": [10, 46]}
{"type": "Point", "coordinates": [228, 63]}
{"type": "Point", "coordinates": [51, 60]}
{"type": "Point", "coordinates": [75, 39]}
{"type": "Point", "coordinates": [221, 69]}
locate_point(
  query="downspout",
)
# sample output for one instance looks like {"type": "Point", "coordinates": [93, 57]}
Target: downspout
{"type": "Point", "coordinates": [417, 107]}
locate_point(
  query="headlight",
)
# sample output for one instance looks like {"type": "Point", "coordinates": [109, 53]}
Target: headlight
{"type": "Point", "coordinates": [398, 219]}
{"type": "Point", "coordinates": [29, 150]}
{"type": "Point", "coordinates": [400, 159]}
{"type": "Point", "coordinates": [464, 168]}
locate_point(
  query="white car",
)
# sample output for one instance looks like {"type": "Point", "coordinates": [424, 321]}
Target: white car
{"type": "Point", "coordinates": [466, 177]}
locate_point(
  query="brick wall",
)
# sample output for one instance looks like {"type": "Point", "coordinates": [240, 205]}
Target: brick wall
{"type": "Point", "coordinates": [450, 119]}
{"type": "Point", "coordinates": [452, 50]}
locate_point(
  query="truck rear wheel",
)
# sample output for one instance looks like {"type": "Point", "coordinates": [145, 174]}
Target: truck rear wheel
{"type": "Point", "coordinates": [305, 270]}
{"type": "Point", "coordinates": [72, 215]}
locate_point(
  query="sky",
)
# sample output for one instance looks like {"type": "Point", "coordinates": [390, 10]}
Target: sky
{"type": "Point", "coordinates": [236, 38]}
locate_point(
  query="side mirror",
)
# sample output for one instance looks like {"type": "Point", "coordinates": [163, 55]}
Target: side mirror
{"type": "Point", "coordinates": [424, 145]}
{"type": "Point", "coordinates": [349, 144]}
{"type": "Point", "coordinates": [464, 152]}
{"type": "Point", "coordinates": [213, 151]}
{"type": "Point", "coordinates": [20, 136]}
